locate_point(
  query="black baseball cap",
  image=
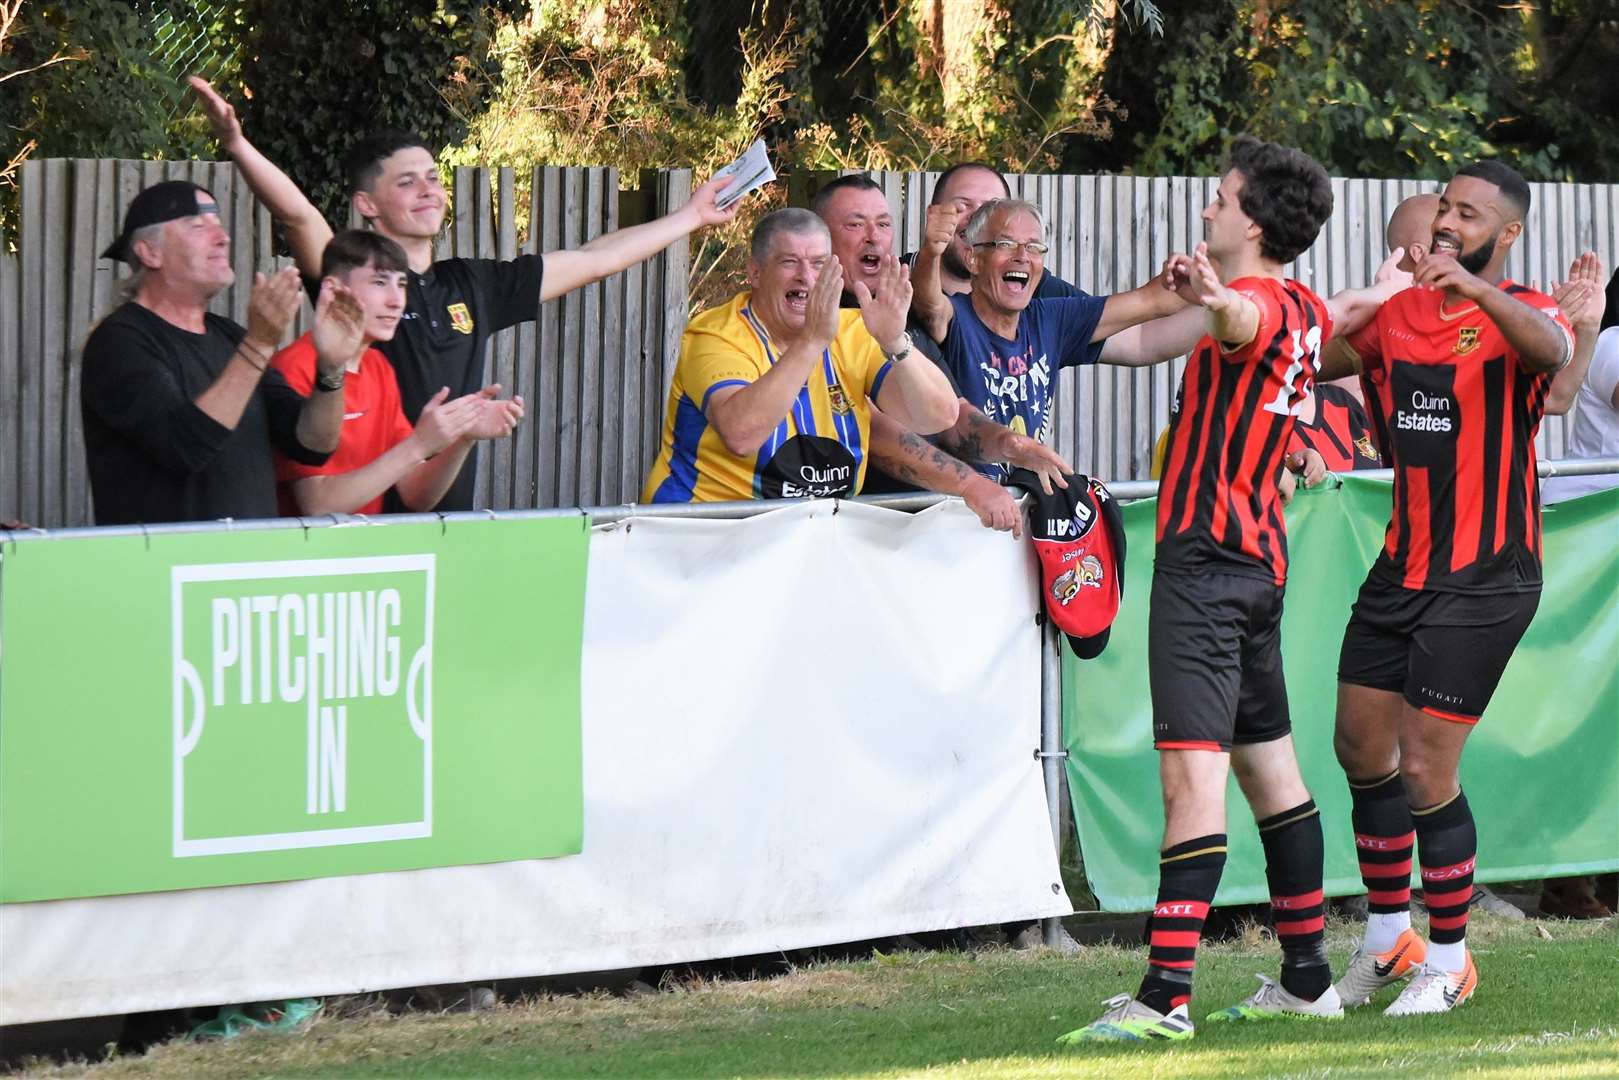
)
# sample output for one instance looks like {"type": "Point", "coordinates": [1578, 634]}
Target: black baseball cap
{"type": "Point", "coordinates": [168, 201]}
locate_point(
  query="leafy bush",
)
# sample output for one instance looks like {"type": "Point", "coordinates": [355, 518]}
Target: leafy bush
{"type": "Point", "coordinates": [315, 76]}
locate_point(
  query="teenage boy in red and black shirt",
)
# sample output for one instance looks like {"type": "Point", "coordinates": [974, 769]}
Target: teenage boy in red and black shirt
{"type": "Point", "coordinates": [1214, 652]}
{"type": "Point", "coordinates": [1458, 370]}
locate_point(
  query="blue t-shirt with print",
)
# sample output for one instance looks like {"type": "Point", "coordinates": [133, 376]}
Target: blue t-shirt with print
{"type": "Point", "coordinates": [1013, 381]}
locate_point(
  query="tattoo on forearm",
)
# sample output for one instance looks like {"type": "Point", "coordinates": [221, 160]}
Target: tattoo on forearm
{"type": "Point", "coordinates": [945, 463]}
{"type": "Point", "coordinates": [916, 461]}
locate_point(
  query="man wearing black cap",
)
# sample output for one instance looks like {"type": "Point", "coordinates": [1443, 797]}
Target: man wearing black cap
{"type": "Point", "coordinates": [180, 406]}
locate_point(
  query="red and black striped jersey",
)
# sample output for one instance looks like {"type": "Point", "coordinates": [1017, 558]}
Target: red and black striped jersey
{"type": "Point", "coordinates": [1339, 432]}
{"type": "Point", "coordinates": [1456, 413]}
{"type": "Point", "coordinates": [1218, 503]}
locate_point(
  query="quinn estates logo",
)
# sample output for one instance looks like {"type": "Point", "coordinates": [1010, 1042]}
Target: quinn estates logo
{"type": "Point", "coordinates": [302, 698]}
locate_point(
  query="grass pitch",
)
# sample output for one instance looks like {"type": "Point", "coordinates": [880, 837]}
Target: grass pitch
{"type": "Point", "coordinates": [1546, 1007]}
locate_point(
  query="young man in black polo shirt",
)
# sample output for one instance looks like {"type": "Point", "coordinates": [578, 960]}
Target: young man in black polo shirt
{"type": "Point", "coordinates": [452, 305]}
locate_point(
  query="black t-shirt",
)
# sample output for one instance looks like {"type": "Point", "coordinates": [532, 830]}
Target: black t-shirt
{"type": "Point", "coordinates": [450, 314]}
{"type": "Point", "coordinates": [153, 455]}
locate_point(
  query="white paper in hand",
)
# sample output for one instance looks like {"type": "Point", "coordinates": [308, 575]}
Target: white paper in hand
{"type": "Point", "coordinates": [752, 171]}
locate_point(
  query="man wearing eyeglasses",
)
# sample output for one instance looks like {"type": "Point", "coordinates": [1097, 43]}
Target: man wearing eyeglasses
{"type": "Point", "coordinates": [1001, 345]}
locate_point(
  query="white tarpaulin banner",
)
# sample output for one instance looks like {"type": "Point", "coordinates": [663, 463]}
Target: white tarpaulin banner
{"type": "Point", "coordinates": [813, 726]}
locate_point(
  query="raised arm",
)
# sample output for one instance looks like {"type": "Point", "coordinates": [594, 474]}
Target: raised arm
{"type": "Point", "coordinates": [1583, 299]}
{"type": "Point", "coordinates": [568, 269]}
{"type": "Point", "coordinates": [339, 338]}
{"type": "Point", "coordinates": [270, 308]}
{"type": "Point", "coordinates": [1154, 300]}
{"type": "Point", "coordinates": [1156, 341]}
{"type": "Point", "coordinates": [1229, 317]}
{"type": "Point", "coordinates": [915, 391]}
{"type": "Point", "coordinates": [1353, 308]}
{"type": "Point", "coordinates": [928, 301]}
{"type": "Point", "coordinates": [307, 231]}
{"type": "Point", "coordinates": [1538, 340]}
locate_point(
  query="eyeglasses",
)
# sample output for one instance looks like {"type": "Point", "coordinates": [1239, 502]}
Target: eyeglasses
{"type": "Point", "coordinates": [1006, 247]}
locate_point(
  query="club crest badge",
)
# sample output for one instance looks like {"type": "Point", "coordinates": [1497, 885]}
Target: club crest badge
{"type": "Point", "coordinates": [1466, 340]}
{"type": "Point", "coordinates": [460, 318]}
{"type": "Point", "coordinates": [1364, 447]}
{"type": "Point", "coordinates": [839, 400]}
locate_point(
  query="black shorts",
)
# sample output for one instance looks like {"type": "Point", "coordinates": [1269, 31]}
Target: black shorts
{"type": "Point", "coordinates": [1214, 656]}
{"type": "Point", "coordinates": [1444, 651]}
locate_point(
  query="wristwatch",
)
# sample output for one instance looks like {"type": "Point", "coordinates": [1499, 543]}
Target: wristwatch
{"type": "Point", "coordinates": [904, 351]}
{"type": "Point", "coordinates": [328, 384]}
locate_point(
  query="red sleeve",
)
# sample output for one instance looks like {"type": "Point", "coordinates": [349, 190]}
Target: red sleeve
{"type": "Point", "coordinates": [1323, 318]}
{"type": "Point", "coordinates": [1264, 295]}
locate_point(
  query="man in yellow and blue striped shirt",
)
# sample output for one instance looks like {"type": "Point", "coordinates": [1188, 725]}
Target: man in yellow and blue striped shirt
{"type": "Point", "coordinates": [769, 398]}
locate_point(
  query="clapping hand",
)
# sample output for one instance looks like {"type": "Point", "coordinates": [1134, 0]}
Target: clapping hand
{"type": "Point", "coordinates": [339, 327]}
{"type": "Point", "coordinates": [494, 418]}
{"type": "Point", "coordinates": [885, 311]}
{"type": "Point", "coordinates": [1583, 297]}
{"type": "Point", "coordinates": [271, 307]}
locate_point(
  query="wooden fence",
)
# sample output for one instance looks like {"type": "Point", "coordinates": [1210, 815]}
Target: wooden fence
{"type": "Point", "coordinates": [591, 366]}
{"type": "Point", "coordinates": [595, 365]}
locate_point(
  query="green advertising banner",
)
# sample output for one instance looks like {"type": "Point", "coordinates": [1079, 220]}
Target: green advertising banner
{"type": "Point", "coordinates": [199, 709]}
{"type": "Point", "coordinates": [1541, 769]}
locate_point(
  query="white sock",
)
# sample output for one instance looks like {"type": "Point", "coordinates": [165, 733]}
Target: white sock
{"type": "Point", "coordinates": [1451, 956]}
{"type": "Point", "coordinates": [1383, 929]}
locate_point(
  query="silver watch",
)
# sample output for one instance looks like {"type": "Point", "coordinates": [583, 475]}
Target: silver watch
{"type": "Point", "coordinates": [904, 351]}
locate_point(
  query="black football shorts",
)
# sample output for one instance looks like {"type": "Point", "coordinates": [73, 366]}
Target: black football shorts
{"type": "Point", "coordinates": [1214, 656]}
{"type": "Point", "coordinates": [1443, 651]}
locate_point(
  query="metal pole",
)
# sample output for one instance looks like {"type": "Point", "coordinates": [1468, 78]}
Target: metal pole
{"type": "Point", "coordinates": [1052, 752]}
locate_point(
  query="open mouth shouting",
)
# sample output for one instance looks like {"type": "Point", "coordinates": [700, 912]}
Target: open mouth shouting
{"type": "Point", "coordinates": [797, 301]}
{"type": "Point", "coordinates": [1016, 281]}
{"type": "Point", "coordinates": [870, 261]}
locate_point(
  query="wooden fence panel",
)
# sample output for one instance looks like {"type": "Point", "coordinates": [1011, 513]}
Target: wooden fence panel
{"type": "Point", "coordinates": [11, 428]}
{"type": "Point", "coordinates": [595, 366]}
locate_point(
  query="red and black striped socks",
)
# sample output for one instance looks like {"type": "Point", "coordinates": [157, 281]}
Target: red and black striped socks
{"type": "Point", "coordinates": [1384, 838]}
{"type": "Point", "coordinates": [1447, 848]}
{"type": "Point", "coordinates": [1188, 875]}
{"type": "Point", "coordinates": [1293, 854]}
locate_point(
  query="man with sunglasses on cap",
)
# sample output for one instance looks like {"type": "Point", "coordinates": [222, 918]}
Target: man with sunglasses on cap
{"type": "Point", "coordinates": [181, 407]}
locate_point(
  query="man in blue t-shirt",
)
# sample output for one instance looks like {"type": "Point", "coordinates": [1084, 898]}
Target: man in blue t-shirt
{"type": "Point", "coordinates": [1003, 345]}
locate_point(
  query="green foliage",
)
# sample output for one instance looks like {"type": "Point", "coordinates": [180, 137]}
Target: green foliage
{"type": "Point", "coordinates": [1386, 88]}
{"type": "Point", "coordinates": [317, 76]}
{"type": "Point", "coordinates": [108, 102]}
{"type": "Point", "coordinates": [81, 79]}
{"type": "Point", "coordinates": [583, 83]}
